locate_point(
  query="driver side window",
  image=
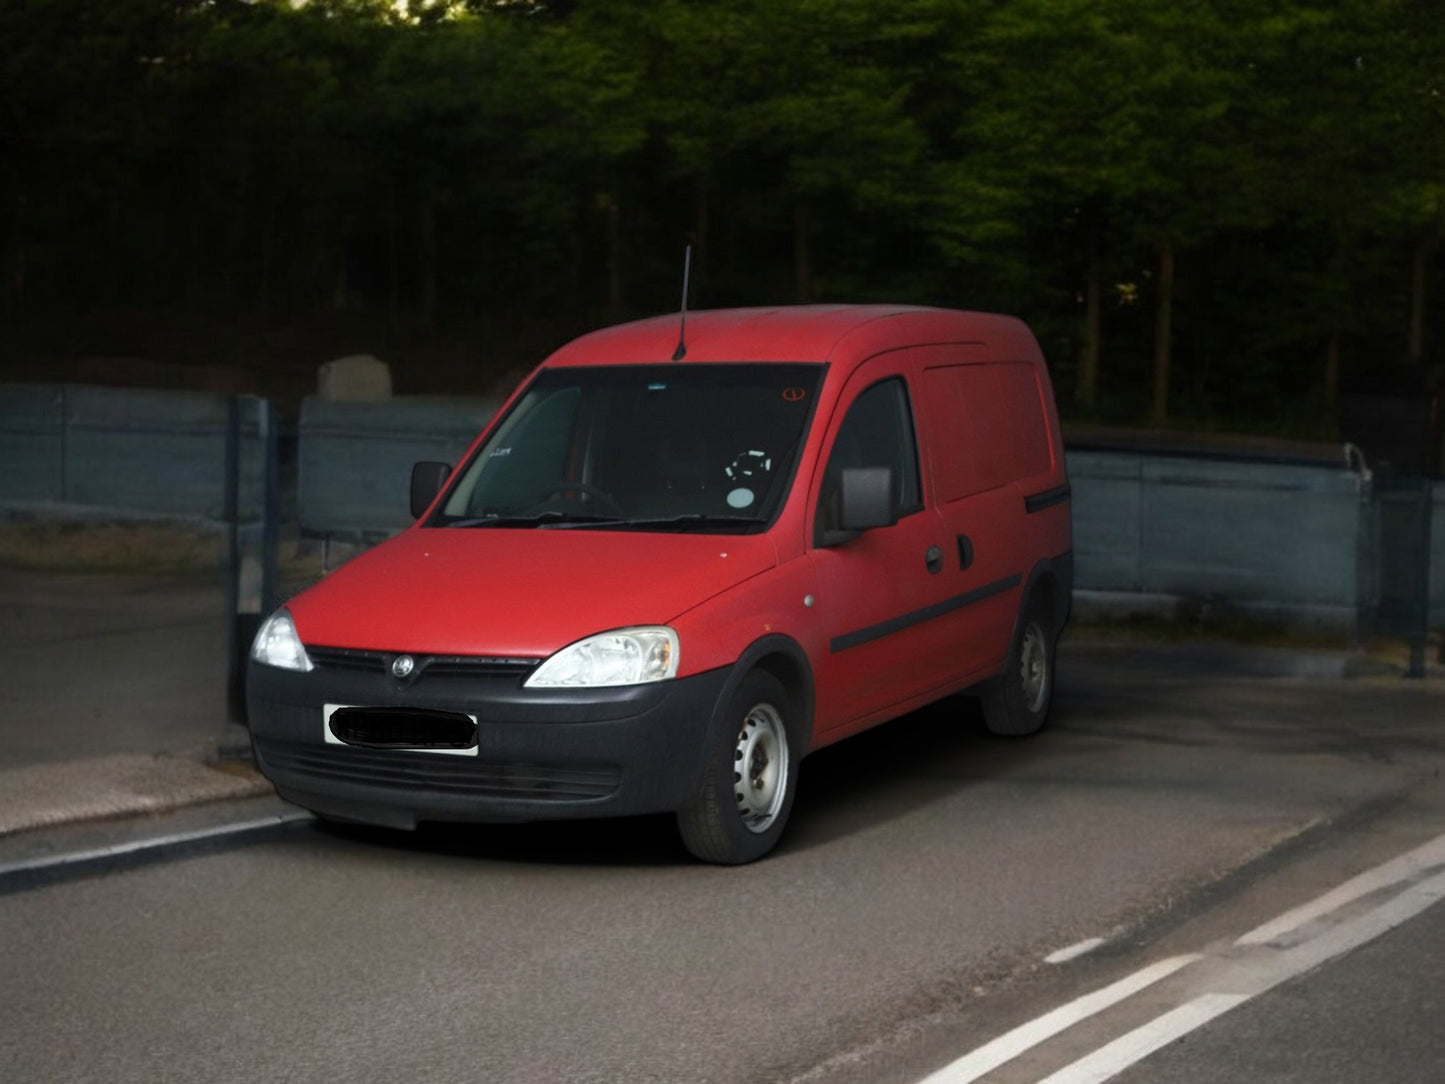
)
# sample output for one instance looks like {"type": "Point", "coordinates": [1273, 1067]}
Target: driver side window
{"type": "Point", "coordinates": [525, 460]}
{"type": "Point", "coordinates": [877, 431]}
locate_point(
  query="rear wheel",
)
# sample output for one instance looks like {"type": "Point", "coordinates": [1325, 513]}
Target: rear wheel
{"type": "Point", "coordinates": [1016, 703]}
{"type": "Point", "coordinates": [746, 795]}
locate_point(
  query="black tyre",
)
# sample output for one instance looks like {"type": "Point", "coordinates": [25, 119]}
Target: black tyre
{"type": "Point", "coordinates": [1016, 703]}
{"type": "Point", "coordinates": [747, 789]}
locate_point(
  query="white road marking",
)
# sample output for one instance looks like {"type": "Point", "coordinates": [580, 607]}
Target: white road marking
{"type": "Point", "coordinates": [1013, 1043]}
{"type": "Point", "coordinates": [1406, 866]}
{"type": "Point", "coordinates": [1338, 940]}
{"type": "Point", "coordinates": [1271, 956]}
{"type": "Point", "coordinates": [1114, 1058]}
{"type": "Point", "coordinates": [1073, 952]}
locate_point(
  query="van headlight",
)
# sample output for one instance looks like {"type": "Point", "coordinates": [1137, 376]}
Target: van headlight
{"type": "Point", "coordinates": [277, 644]}
{"type": "Point", "coordinates": [620, 657]}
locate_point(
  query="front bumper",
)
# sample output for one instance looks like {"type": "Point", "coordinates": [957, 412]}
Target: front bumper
{"type": "Point", "coordinates": [542, 754]}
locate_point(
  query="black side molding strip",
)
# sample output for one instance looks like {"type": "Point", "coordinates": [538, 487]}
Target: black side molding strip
{"type": "Point", "coordinates": [917, 617]}
{"type": "Point", "coordinates": [1037, 502]}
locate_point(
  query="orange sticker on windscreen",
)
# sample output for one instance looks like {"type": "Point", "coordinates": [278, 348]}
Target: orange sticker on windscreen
{"type": "Point", "coordinates": [795, 395]}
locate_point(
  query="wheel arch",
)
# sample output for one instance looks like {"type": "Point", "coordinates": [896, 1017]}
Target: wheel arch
{"type": "Point", "coordinates": [1050, 584]}
{"type": "Point", "coordinates": [783, 658]}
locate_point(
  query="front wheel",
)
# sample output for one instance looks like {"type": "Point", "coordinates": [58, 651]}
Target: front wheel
{"type": "Point", "coordinates": [751, 771]}
{"type": "Point", "coordinates": [1016, 703]}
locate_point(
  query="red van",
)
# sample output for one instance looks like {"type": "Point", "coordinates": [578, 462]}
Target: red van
{"type": "Point", "coordinates": [675, 564]}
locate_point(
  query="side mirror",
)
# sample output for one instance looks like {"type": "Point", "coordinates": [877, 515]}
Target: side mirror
{"type": "Point", "coordinates": [427, 480]}
{"type": "Point", "coordinates": [867, 498]}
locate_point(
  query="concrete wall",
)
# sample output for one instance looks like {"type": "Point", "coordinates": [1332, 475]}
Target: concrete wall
{"type": "Point", "coordinates": [1274, 538]}
{"type": "Point", "coordinates": [128, 451]}
{"type": "Point", "coordinates": [354, 459]}
{"type": "Point", "coordinates": [1259, 536]}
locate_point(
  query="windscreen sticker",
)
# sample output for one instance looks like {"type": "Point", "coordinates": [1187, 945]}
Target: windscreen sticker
{"type": "Point", "coordinates": [741, 498]}
{"type": "Point", "coordinates": [750, 464]}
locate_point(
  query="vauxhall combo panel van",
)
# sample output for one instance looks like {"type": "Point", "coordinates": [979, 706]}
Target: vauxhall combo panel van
{"type": "Point", "coordinates": [684, 555]}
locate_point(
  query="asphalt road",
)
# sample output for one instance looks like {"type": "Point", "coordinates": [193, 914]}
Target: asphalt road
{"type": "Point", "coordinates": [1373, 1016]}
{"type": "Point", "coordinates": [905, 920]}
{"type": "Point", "coordinates": [82, 651]}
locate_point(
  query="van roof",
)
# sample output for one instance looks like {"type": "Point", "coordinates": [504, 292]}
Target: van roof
{"type": "Point", "coordinates": [792, 333]}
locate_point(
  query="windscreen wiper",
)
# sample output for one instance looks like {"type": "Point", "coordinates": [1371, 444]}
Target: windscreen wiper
{"type": "Point", "coordinates": [692, 519]}
{"type": "Point", "coordinates": [540, 519]}
{"type": "Point", "coordinates": [562, 520]}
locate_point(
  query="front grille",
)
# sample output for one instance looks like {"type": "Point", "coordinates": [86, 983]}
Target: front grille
{"type": "Point", "coordinates": [460, 776]}
{"type": "Point", "coordinates": [379, 662]}
{"type": "Point", "coordinates": [340, 658]}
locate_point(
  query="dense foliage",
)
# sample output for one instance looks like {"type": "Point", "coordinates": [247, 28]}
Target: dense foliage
{"type": "Point", "coordinates": [1213, 211]}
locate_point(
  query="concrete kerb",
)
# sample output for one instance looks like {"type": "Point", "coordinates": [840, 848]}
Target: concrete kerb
{"type": "Point", "coordinates": [116, 705]}
{"type": "Point", "coordinates": [1219, 658]}
{"type": "Point", "coordinates": [117, 786]}
{"type": "Point", "coordinates": [1210, 648]}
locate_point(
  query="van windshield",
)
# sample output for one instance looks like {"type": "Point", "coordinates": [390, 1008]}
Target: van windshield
{"type": "Point", "coordinates": [683, 447]}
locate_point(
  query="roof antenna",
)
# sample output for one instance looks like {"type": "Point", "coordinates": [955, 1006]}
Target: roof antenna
{"type": "Point", "coordinates": [681, 351]}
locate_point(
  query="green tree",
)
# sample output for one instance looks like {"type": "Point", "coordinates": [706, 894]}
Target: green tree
{"type": "Point", "coordinates": [1357, 138]}
{"type": "Point", "coordinates": [77, 91]}
{"type": "Point", "coordinates": [489, 118]}
{"type": "Point", "coordinates": [1119, 126]}
{"type": "Point", "coordinates": [1410, 36]}
{"type": "Point", "coordinates": [771, 111]}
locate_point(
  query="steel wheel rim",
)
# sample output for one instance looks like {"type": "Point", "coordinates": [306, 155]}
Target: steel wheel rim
{"type": "Point", "coordinates": [760, 768]}
{"type": "Point", "coordinates": [1034, 668]}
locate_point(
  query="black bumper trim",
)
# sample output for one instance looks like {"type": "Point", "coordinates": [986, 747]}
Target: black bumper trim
{"type": "Point", "coordinates": [564, 782]}
{"type": "Point", "coordinates": [541, 754]}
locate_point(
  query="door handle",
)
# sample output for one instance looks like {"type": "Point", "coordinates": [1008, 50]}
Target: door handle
{"type": "Point", "coordinates": [965, 551]}
{"type": "Point", "coordinates": [934, 559]}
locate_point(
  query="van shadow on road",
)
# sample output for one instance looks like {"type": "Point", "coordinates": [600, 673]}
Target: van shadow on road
{"type": "Point", "coordinates": [864, 781]}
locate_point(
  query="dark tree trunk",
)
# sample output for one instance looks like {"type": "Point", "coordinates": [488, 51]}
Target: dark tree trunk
{"type": "Point", "coordinates": [1332, 373]}
{"type": "Point", "coordinates": [802, 256]}
{"type": "Point", "coordinates": [701, 228]}
{"type": "Point", "coordinates": [1164, 314]}
{"type": "Point", "coordinates": [393, 262]}
{"type": "Point", "coordinates": [614, 250]}
{"type": "Point", "coordinates": [1415, 350]}
{"type": "Point", "coordinates": [427, 260]}
{"type": "Point", "coordinates": [1087, 391]}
